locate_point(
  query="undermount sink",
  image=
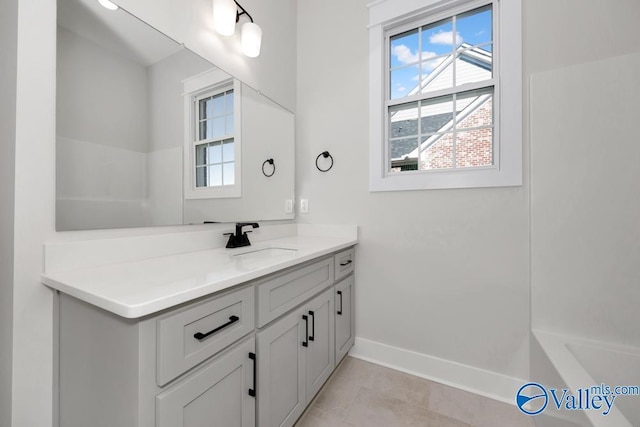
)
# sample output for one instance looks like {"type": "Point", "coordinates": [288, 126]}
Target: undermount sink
{"type": "Point", "coordinates": [264, 254]}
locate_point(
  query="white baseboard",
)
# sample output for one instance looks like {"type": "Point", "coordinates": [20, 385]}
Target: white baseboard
{"type": "Point", "coordinates": [479, 381]}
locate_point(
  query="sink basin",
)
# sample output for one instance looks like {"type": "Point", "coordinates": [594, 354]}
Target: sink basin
{"type": "Point", "coordinates": [264, 254]}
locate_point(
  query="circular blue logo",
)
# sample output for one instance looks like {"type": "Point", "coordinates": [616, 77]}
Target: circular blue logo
{"type": "Point", "coordinates": [535, 396]}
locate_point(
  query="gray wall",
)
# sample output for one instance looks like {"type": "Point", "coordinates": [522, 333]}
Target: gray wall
{"type": "Point", "coordinates": [8, 72]}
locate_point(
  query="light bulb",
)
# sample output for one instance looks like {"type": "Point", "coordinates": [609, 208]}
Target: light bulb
{"type": "Point", "coordinates": [251, 39]}
{"type": "Point", "coordinates": [224, 16]}
{"type": "Point", "coordinates": [108, 5]}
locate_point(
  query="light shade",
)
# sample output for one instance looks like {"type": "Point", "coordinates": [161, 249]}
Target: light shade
{"type": "Point", "coordinates": [224, 16]}
{"type": "Point", "coordinates": [108, 5]}
{"type": "Point", "coordinates": [251, 39]}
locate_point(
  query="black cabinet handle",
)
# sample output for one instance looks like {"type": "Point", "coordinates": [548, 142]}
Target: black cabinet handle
{"type": "Point", "coordinates": [340, 311]}
{"type": "Point", "coordinates": [344, 264]}
{"type": "Point", "coordinates": [313, 326]}
{"type": "Point", "coordinates": [305, 343]}
{"type": "Point", "coordinates": [252, 391]}
{"type": "Point", "coordinates": [200, 336]}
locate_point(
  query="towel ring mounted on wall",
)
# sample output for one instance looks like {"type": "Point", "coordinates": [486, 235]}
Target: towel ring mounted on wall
{"type": "Point", "coordinates": [273, 166]}
{"type": "Point", "coordinates": [324, 154]}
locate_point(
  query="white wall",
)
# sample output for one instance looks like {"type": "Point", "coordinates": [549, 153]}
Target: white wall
{"type": "Point", "coordinates": [34, 213]}
{"type": "Point", "coordinates": [585, 237]}
{"type": "Point", "coordinates": [102, 95]}
{"type": "Point", "coordinates": [273, 72]}
{"type": "Point", "coordinates": [442, 273]}
{"type": "Point", "coordinates": [101, 136]}
{"type": "Point", "coordinates": [8, 48]}
{"type": "Point", "coordinates": [165, 123]}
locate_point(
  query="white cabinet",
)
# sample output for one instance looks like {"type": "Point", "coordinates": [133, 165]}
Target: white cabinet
{"type": "Point", "coordinates": [204, 363]}
{"type": "Point", "coordinates": [345, 331]}
{"type": "Point", "coordinates": [281, 371]}
{"type": "Point", "coordinates": [222, 390]}
{"type": "Point", "coordinates": [319, 354]}
{"type": "Point", "coordinates": [295, 357]}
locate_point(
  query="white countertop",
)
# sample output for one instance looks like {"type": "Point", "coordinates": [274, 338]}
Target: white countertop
{"type": "Point", "coordinates": [142, 287]}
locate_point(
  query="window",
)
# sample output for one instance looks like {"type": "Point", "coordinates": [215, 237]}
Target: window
{"type": "Point", "coordinates": [212, 149]}
{"type": "Point", "coordinates": [214, 144]}
{"type": "Point", "coordinates": [449, 113]}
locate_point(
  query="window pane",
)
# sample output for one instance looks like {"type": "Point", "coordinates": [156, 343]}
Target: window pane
{"type": "Point", "coordinates": [218, 130]}
{"type": "Point", "coordinates": [475, 26]}
{"type": "Point", "coordinates": [229, 125]}
{"type": "Point", "coordinates": [474, 148]}
{"type": "Point", "coordinates": [403, 120]}
{"type": "Point", "coordinates": [437, 152]}
{"type": "Point", "coordinates": [201, 177]}
{"type": "Point", "coordinates": [229, 100]}
{"type": "Point", "coordinates": [438, 38]}
{"type": "Point", "coordinates": [403, 153]}
{"type": "Point", "coordinates": [404, 49]}
{"type": "Point", "coordinates": [474, 65]}
{"type": "Point", "coordinates": [474, 109]}
{"type": "Point", "coordinates": [201, 154]}
{"type": "Point", "coordinates": [215, 175]}
{"type": "Point", "coordinates": [228, 151]}
{"type": "Point", "coordinates": [437, 73]}
{"type": "Point", "coordinates": [214, 153]}
{"type": "Point", "coordinates": [218, 105]}
{"type": "Point", "coordinates": [205, 108]}
{"type": "Point", "coordinates": [436, 114]}
{"type": "Point", "coordinates": [229, 173]}
{"type": "Point", "coordinates": [205, 127]}
{"type": "Point", "coordinates": [404, 81]}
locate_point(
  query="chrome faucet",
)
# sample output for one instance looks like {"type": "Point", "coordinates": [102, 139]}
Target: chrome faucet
{"type": "Point", "coordinates": [240, 239]}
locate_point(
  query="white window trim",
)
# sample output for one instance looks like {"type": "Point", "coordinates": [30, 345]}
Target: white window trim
{"type": "Point", "coordinates": [193, 87]}
{"type": "Point", "coordinates": [386, 14]}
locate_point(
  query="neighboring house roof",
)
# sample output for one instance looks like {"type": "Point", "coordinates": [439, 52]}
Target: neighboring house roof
{"type": "Point", "coordinates": [472, 64]}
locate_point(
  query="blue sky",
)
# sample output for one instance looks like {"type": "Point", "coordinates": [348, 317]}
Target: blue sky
{"type": "Point", "coordinates": [438, 40]}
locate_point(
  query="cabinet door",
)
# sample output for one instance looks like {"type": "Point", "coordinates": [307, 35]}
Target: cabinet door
{"type": "Point", "coordinates": [281, 370]}
{"type": "Point", "coordinates": [320, 357]}
{"type": "Point", "coordinates": [344, 317]}
{"type": "Point", "coordinates": [217, 394]}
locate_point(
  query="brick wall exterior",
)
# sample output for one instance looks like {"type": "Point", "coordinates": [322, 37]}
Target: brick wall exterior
{"type": "Point", "coordinates": [473, 148]}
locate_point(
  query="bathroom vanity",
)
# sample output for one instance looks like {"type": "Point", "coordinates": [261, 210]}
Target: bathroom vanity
{"type": "Point", "coordinates": [238, 337]}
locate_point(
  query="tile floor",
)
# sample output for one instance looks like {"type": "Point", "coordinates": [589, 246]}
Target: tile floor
{"type": "Point", "coordinates": [360, 393]}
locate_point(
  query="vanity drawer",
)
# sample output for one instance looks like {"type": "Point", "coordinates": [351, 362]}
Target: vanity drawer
{"type": "Point", "coordinates": [344, 263]}
{"type": "Point", "coordinates": [280, 294]}
{"type": "Point", "coordinates": [190, 336]}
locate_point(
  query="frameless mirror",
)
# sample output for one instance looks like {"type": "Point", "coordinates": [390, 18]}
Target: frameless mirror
{"type": "Point", "coordinates": [129, 151]}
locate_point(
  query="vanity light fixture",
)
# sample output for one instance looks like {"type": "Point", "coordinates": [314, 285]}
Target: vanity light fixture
{"type": "Point", "coordinates": [226, 13]}
{"type": "Point", "coordinates": [108, 5]}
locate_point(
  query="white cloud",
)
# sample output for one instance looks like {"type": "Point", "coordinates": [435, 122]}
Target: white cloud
{"type": "Point", "coordinates": [445, 37]}
{"type": "Point", "coordinates": [429, 66]}
{"type": "Point", "coordinates": [404, 54]}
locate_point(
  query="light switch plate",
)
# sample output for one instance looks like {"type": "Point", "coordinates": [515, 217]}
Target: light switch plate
{"type": "Point", "coordinates": [304, 206]}
{"type": "Point", "coordinates": [288, 206]}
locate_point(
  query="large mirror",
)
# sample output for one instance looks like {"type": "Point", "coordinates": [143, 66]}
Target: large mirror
{"type": "Point", "coordinates": [149, 133]}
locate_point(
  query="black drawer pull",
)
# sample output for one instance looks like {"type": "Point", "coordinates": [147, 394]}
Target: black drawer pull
{"type": "Point", "coordinates": [305, 343]}
{"type": "Point", "coordinates": [313, 326]}
{"type": "Point", "coordinates": [344, 264]}
{"type": "Point", "coordinates": [340, 311]}
{"type": "Point", "coordinates": [200, 336]}
{"type": "Point", "coordinates": [252, 391]}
